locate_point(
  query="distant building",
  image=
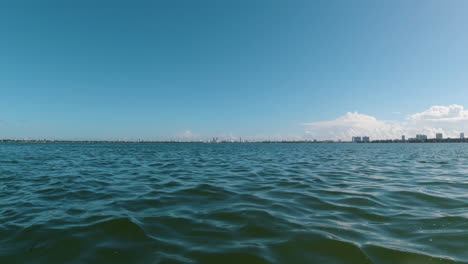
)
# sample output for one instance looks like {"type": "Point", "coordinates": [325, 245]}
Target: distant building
{"type": "Point", "coordinates": [421, 137]}
{"type": "Point", "coordinates": [357, 139]}
{"type": "Point", "coordinates": [439, 136]}
{"type": "Point", "coordinates": [366, 139]}
{"type": "Point", "coordinates": [403, 138]}
{"type": "Point", "coordinates": [462, 135]}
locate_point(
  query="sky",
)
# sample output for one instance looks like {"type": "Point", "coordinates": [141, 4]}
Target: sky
{"type": "Point", "coordinates": [256, 69]}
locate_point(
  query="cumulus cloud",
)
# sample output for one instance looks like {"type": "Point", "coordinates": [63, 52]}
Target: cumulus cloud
{"type": "Point", "coordinates": [442, 113]}
{"type": "Point", "coordinates": [186, 134]}
{"type": "Point", "coordinates": [354, 124]}
{"type": "Point", "coordinates": [449, 120]}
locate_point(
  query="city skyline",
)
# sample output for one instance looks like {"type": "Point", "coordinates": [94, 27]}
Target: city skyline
{"type": "Point", "coordinates": [354, 139]}
{"type": "Point", "coordinates": [449, 121]}
{"type": "Point", "coordinates": [260, 70]}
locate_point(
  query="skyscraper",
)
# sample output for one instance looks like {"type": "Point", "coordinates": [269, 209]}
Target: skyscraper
{"type": "Point", "coordinates": [462, 135]}
{"type": "Point", "coordinates": [439, 136]}
{"type": "Point", "coordinates": [421, 137]}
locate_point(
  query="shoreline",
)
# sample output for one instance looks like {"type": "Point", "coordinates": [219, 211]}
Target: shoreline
{"type": "Point", "coordinates": [229, 142]}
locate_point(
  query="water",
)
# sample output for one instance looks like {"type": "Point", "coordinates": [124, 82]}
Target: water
{"type": "Point", "coordinates": [233, 203]}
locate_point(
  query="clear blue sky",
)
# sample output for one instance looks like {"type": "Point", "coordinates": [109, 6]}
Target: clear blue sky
{"type": "Point", "coordinates": [153, 69]}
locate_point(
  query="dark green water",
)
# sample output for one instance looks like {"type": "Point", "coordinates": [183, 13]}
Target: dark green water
{"type": "Point", "coordinates": [233, 203]}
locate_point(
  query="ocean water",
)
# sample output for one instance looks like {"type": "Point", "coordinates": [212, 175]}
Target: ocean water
{"type": "Point", "coordinates": [233, 203]}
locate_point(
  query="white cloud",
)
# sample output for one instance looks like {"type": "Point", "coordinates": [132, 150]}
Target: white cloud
{"type": "Point", "coordinates": [354, 124]}
{"type": "Point", "coordinates": [449, 120]}
{"type": "Point", "coordinates": [442, 113]}
{"type": "Point", "coordinates": [186, 134]}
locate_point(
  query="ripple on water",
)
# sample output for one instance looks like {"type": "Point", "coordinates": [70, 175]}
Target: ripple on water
{"type": "Point", "coordinates": [233, 203]}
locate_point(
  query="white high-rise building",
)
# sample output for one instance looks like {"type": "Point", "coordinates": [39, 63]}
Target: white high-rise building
{"type": "Point", "coordinates": [366, 139]}
{"type": "Point", "coordinates": [462, 135]}
{"type": "Point", "coordinates": [439, 136]}
{"type": "Point", "coordinates": [356, 139]}
{"type": "Point", "coordinates": [403, 138]}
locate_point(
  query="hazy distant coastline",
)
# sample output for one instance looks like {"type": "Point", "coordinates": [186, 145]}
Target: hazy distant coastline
{"type": "Point", "coordinates": [447, 140]}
